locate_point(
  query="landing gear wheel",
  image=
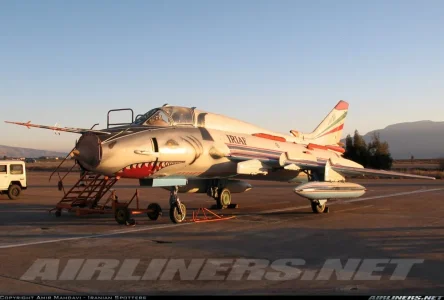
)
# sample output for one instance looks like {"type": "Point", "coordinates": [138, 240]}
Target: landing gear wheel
{"type": "Point", "coordinates": [155, 212]}
{"type": "Point", "coordinates": [14, 191]}
{"type": "Point", "coordinates": [58, 213]}
{"type": "Point", "coordinates": [318, 208]}
{"type": "Point", "coordinates": [174, 213]}
{"type": "Point", "coordinates": [224, 198]}
{"type": "Point", "coordinates": [122, 215]}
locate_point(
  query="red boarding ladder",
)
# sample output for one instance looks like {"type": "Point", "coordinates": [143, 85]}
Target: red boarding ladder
{"type": "Point", "coordinates": [87, 192]}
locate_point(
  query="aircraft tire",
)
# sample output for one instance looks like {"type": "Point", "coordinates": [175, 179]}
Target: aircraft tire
{"type": "Point", "coordinates": [224, 198]}
{"type": "Point", "coordinates": [174, 213]}
{"type": "Point", "coordinates": [122, 215]}
{"type": "Point", "coordinates": [155, 212]}
{"type": "Point", "coordinates": [316, 208]}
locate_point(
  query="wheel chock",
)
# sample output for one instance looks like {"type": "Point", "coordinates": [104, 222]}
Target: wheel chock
{"type": "Point", "coordinates": [213, 217]}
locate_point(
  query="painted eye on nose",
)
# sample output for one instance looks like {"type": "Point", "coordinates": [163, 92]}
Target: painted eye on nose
{"type": "Point", "coordinates": [171, 143]}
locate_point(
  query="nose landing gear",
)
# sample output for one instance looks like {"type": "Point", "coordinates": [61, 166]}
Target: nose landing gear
{"type": "Point", "coordinates": [178, 210]}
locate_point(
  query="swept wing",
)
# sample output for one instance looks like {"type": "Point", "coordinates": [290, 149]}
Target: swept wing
{"type": "Point", "coordinates": [64, 129]}
{"type": "Point", "coordinates": [260, 165]}
{"type": "Point", "coordinates": [352, 171]}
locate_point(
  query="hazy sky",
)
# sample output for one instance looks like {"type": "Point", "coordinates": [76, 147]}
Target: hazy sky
{"type": "Point", "coordinates": [280, 64]}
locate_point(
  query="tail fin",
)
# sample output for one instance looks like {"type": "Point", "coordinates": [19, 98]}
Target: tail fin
{"type": "Point", "coordinates": [329, 131]}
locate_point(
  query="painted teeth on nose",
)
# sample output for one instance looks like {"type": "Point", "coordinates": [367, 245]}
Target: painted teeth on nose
{"type": "Point", "coordinates": [139, 165]}
{"type": "Point", "coordinates": [146, 164]}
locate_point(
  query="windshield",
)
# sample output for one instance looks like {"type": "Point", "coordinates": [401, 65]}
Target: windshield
{"type": "Point", "coordinates": [180, 115]}
{"type": "Point", "coordinates": [140, 119]}
{"type": "Point", "coordinates": [159, 118]}
{"type": "Point", "coordinates": [166, 116]}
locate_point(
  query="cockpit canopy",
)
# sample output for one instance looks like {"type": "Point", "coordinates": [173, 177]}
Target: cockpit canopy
{"type": "Point", "coordinates": [166, 116]}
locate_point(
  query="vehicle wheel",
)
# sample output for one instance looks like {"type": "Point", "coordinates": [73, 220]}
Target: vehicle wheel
{"type": "Point", "coordinates": [122, 215]}
{"type": "Point", "coordinates": [317, 208]}
{"type": "Point", "coordinates": [224, 199]}
{"type": "Point", "coordinates": [155, 212]}
{"type": "Point", "coordinates": [58, 213]}
{"type": "Point", "coordinates": [174, 214]}
{"type": "Point", "coordinates": [14, 191]}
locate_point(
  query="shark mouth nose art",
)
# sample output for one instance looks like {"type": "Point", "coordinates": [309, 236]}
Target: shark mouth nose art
{"type": "Point", "coordinates": [145, 168]}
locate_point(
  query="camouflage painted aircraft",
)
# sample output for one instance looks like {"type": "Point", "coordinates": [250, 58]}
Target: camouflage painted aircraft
{"type": "Point", "coordinates": [187, 150]}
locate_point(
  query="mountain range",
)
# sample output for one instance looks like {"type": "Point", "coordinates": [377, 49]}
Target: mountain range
{"type": "Point", "coordinates": [422, 139]}
{"type": "Point", "coordinates": [27, 152]}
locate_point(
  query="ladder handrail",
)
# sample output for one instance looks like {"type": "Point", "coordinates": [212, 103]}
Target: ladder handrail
{"type": "Point", "coordinates": [69, 154]}
{"type": "Point", "coordinates": [96, 188]}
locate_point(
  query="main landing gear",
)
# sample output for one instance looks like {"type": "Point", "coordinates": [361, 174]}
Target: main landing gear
{"type": "Point", "coordinates": [178, 210]}
{"type": "Point", "coordinates": [319, 206]}
{"type": "Point", "coordinates": [223, 199]}
{"type": "Point", "coordinates": [221, 194]}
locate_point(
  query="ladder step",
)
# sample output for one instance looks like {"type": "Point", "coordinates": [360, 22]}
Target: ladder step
{"type": "Point", "coordinates": [94, 189]}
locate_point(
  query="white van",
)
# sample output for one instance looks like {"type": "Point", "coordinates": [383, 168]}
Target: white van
{"type": "Point", "coordinates": [12, 178]}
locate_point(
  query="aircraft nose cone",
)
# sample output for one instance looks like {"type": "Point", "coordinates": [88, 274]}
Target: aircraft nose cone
{"type": "Point", "coordinates": [88, 151]}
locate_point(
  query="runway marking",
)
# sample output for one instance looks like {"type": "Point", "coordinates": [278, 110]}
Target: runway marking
{"type": "Point", "coordinates": [284, 209]}
{"type": "Point", "coordinates": [94, 235]}
{"type": "Point", "coordinates": [393, 195]}
{"type": "Point", "coordinates": [183, 224]}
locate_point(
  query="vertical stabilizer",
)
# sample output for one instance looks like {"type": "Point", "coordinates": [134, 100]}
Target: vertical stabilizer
{"type": "Point", "coordinates": [329, 131]}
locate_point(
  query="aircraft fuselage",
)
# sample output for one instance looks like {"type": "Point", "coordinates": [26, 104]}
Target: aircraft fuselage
{"type": "Point", "coordinates": [191, 153]}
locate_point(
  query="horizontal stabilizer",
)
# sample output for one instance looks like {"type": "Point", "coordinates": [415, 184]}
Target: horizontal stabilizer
{"type": "Point", "coordinates": [64, 129]}
{"type": "Point", "coordinates": [311, 146]}
{"type": "Point", "coordinates": [352, 171]}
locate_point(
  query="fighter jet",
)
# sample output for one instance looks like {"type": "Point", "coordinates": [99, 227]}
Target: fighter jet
{"type": "Point", "coordinates": [186, 150]}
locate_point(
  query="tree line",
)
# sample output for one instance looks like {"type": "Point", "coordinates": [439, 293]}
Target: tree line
{"type": "Point", "coordinates": [375, 154]}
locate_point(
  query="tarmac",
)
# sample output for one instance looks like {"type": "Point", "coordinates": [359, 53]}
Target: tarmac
{"type": "Point", "coordinates": [272, 226]}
